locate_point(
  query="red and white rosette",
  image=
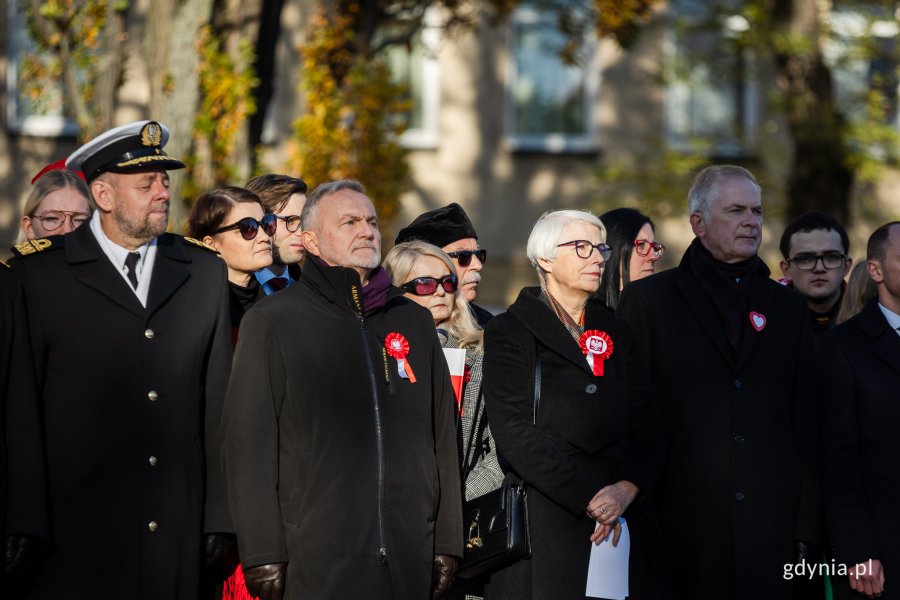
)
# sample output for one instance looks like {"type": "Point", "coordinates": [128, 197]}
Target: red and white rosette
{"type": "Point", "coordinates": [597, 346]}
{"type": "Point", "coordinates": [398, 347]}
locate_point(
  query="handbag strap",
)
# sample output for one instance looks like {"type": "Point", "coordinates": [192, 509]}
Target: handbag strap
{"type": "Point", "coordinates": [537, 381]}
{"type": "Point", "coordinates": [476, 425]}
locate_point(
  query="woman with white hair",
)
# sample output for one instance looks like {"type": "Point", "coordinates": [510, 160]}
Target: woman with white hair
{"type": "Point", "coordinates": [575, 418]}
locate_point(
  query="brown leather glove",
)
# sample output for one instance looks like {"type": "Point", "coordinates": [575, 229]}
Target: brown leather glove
{"type": "Point", "coordinates": [444, 574]}
{"type": "Point", "coordinates": [266, 582]}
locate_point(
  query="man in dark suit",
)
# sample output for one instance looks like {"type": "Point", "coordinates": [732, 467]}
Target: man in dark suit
{"type": "Point", "coordinates": [450, 229]}
{"type": "Point", "coordinates": [132, 348]}
{"type": "Point", "coordinates": [859, 362]}
{"type": "Point", "coordinates": [730, 352]}
{"type": "Point", "coordinates": [284, 197]}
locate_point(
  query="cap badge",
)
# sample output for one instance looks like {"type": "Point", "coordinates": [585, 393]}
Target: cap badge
{"type": "Point", "coordinates": [151, 134]}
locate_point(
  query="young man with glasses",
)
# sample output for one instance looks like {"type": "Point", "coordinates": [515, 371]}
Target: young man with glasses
{"type": "Point", "coordinates": [284, 196]}
{"type": "Point", "coordinates": [816, 251]}
{"type": "Point", "coordinates": [450, 229]}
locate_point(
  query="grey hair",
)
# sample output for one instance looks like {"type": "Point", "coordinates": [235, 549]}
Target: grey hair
{"type": "Point", "coordinates": [705, 188]}
{"type": "Point", "coordinates": [546, 233]}
{"type": "Point", "coordinates": [310, 209]}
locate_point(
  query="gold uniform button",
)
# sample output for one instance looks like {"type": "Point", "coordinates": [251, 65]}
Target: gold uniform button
{"type": "Point", "coordinates": [149, 334]}
{"type": "Point", "coordinates": [152, 460]}
{"type": "Point", "coordinates": [152, 526]}
{"type": "Point", "coordinates": [152, 395]}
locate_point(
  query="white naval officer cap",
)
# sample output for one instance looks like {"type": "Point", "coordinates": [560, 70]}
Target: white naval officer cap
{"type": "Point", "coordinates": [128, 148]}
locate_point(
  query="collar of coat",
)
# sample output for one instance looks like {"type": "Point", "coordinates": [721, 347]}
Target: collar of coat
{"type": "Point", "coordinates": [340, 285]}
{"type": "Point", "coordinates": [539, 319]}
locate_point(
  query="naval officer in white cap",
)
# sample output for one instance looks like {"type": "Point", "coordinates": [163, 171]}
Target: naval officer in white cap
{"type": "Point", "coordinates": [132, 345]}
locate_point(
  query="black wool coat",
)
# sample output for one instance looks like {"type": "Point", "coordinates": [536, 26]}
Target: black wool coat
{"type": "Point", "coordinates": [131, 399]}
{"type": "Point", "coordinates": [742, 482]}
{"type": "Point", "coordinates": [334, 464]}
{"type": "Point", "coordinates": [590, 432]}
{"type": "Point", "coordinates": [860, 366]}
{"type": "Point", "coordinates": [23, 491]}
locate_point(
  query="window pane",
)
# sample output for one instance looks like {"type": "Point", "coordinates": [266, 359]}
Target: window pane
{"type": "Point", "coordinates": [549, 96]}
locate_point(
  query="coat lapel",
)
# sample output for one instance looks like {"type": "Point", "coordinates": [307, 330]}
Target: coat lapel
{"type": "Point", "coordinates": [705, 313]}
{"type": "Point", "coordinates": [96, 271]}
{"type": "Point", "coordinates": [169, 272]}
{"type": "Point", "coordinates": [886, 342]}
{"type": "Point", "coordinates": [539, 319]}
{"type": "Point", "coordinates": [760, 301]}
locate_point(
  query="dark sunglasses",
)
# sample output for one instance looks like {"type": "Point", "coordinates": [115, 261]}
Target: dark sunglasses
{"type": "Point", "coordinates": [249, 227]}
{"type": "Point", "coordinates": [464, 257]}
{"type": "Point", "coordinates": [426, 286]}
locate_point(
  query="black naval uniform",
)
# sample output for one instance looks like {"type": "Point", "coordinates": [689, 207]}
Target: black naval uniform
{"type": "Point", "coordinates": [132, 398]}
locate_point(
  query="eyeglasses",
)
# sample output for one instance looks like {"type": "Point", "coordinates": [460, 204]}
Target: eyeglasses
{"type": "Point", "coordinates": [51, 220]}
{"type": "Point", "coordinates": [807, 262]}
{"type": "Point", "coordinates": [426, 286]}
{"type": "Point", "coordinates": [249, 227]}
{"type": "Point", "coordinates": [464, 257]}
{"type": "Point", "coordinates": [291, 222]}
{"type": "Point", "coordinates": [643, 247]}
{"type": "Point", "coordinates": [584, 248]}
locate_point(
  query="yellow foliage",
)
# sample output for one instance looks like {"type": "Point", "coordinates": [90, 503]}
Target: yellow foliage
{"type": "Point", "coordinates": [353, 120]}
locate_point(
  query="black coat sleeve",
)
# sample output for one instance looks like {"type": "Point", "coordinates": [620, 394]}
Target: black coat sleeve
{"type": "Point", "coordinates": [448, 528]}
{"type": "Point", "coordinates": [251, 442]}
{"type": "Point", "coordinates": [218, 368]}
{"type": "Point", "coordinates": [850, 525]}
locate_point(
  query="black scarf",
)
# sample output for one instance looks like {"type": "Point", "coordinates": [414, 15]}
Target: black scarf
{"type": "Point", "coordinates": [727, 285]}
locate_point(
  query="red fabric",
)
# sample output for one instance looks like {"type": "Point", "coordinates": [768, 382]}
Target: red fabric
{"type": "Point", "coordinates": [234, 587]}
{"type": "Point", "coordinates": [59, 165]}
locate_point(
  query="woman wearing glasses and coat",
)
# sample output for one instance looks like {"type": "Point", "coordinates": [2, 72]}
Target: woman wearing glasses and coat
{"type": "Point", "coordinates": [634, 251]}
{"type": "Point", "coordinates": [590, 444]}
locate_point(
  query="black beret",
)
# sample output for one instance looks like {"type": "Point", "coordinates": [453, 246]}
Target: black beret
{"type": "Point", "coordinates": [441, 226]}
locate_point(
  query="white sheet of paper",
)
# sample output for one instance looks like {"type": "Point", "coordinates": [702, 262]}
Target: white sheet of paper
{"type": "Point", "coordinates": [608, 568]}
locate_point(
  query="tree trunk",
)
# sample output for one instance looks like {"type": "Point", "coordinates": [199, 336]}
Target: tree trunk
{"type": "Point", "coordinates": [174, 68]}
{"type": "Point", "coordinates": [820, 178]}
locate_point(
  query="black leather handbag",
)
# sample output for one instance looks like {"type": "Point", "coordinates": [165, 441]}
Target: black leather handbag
{"type": "Point", "coordinates": [497, 522]}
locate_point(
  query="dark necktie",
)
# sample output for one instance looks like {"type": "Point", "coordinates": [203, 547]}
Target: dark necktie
{"type": "Point", "coordinates": [131, 262]}
{"type": "Point", "coordinates": [278, 283]}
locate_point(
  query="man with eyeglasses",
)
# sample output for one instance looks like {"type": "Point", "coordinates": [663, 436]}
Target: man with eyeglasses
{"type": "Point", "coordinates": [859, 362]}
{"type": "Point", "coordinates": [450, 229]}
{"type": "Point", "coordinates": [284, 197]}
{"type": "Point", "coordinates": [340, 450]}
{"type": "Point", "coordinates": [131, 339]}
{"type": "Point", "coordinates": [731, 356]}
{"type": "Point", "coordinates": [816, 252]}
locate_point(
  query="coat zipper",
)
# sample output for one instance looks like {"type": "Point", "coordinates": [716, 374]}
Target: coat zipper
{"type": "Point", "coordinates": [379, 438]}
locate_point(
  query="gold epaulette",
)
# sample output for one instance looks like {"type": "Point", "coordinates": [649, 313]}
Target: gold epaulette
{"type": "Point", "coordinates": [194, 242]}
{"type": "Point", "coordinates": [32, 246]}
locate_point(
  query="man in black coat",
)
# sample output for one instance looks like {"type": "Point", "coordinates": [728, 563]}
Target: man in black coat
{"type": "Point", "coordinates": [859, 361]}
{"type": "Point", "coordinates": [23, 493]}
{"type": "Point", "coordinates": [132, 348]}
{"type": "Point", "coordinates": [730, 352]}
{"type": "Point", "coordinates": [339, 433]}
{"type": "Point", "coordinates": [450, 229]}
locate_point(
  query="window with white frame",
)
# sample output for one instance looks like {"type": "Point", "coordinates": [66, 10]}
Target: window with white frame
{"type": "Point", "coordinates": [417, 68]}
{"type": "Point", "coordinates": [39, 116]}
{"type": "Point", "coordinates": [712, 93]}
{"type": "Point", "coordinates": [550, 100]}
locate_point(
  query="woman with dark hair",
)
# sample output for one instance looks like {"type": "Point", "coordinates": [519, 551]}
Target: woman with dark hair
{"type": "Point", "coordinates": [230, 219]}
{"type": "Point", "coordinates": [630, 234]}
